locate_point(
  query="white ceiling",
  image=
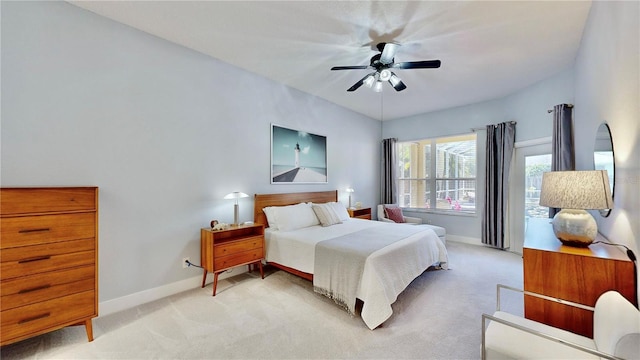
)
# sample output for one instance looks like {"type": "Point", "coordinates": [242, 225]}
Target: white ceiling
{"type": "Point", "coordinates": [488, 49]}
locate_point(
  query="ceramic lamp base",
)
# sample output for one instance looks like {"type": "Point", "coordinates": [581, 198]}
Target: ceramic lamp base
{"type": "Point", "coordinates": [575, 227]}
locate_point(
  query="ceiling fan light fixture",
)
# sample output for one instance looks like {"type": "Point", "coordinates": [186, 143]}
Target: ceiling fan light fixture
{"type": "Point", "coordinates": [394, 80]}
{"type": "Point", "coordinates": [369, 81]}
{"type": "Point", "coordinates": [378, 86]}
{"type": "Point", "coordinates": [385, 74]}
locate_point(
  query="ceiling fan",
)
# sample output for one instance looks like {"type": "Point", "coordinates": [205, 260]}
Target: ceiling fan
{"type": "Point", "coordinates": [382, 64]}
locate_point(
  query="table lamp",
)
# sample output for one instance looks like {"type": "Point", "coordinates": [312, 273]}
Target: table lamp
{"type": "Point", "coordinates": [350, 191]}
{"type": "Point", "coordinates": [235, 195]}
{"type": "Point", "coordinates": [573, 192]}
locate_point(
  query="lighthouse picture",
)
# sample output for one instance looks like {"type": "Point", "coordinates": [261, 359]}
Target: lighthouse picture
{"type": "Point", "coordinates": [297, 156]}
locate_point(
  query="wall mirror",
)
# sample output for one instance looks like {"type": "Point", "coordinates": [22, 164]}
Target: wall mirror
{"type": "Point", "coordinates": [603, 158]}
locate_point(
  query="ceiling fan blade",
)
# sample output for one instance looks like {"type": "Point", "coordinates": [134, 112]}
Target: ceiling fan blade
{"type": "Point", "coordinates": [427, 64]}
{"type": "Point", "coordinates": [360, 82]}
{"type": "Point", "coordinates": [399, 85]}
{"type": "Point", "coordinates": [388, 53]}
{"type": "Point", "coordinates": [359, 67]}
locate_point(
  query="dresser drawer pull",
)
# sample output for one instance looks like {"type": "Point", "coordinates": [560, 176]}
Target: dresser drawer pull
{"type": "Point", "coordinates": [34, 318]}
{"type": "Point", "coordinates": [39, 258]}
{"type": "Point", "coordinates": [25, 231]}
{"type": "Point", "coordinates": [41, 287]}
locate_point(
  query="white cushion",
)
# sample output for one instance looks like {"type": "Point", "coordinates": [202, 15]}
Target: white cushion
{"type": "Point", "coordinates": [628, 347]}
{"type": "Point", "coordinates": [613, 318]}
{"type": "Point", "coordinates": [504, 342]}
{"type": "Point", "coordinates": [294, 217]}
{"type": "Point", "coordinates": [340, 210]}
{"type": "Point", "coordinates": [326, 215]}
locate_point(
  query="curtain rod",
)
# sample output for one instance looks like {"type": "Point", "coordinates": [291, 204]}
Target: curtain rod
{"type": "Point", "coordinates": [568, 105]}
{"type": "Point", "coordinates": [484, 128]}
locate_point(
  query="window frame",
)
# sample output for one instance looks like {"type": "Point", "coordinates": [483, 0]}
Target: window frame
{"type": "Point", "coordinates": [430, 180]}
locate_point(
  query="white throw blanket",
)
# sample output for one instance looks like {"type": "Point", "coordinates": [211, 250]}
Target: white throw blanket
{"type": "Point", "coordinates": [344, 268]}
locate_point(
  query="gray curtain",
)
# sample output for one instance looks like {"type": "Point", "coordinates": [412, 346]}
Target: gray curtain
{"type": "Point", "coordinates": [388, 184]}
{"type": "Point", "coordinates": [562, 152]}
{"type": "Point", "coordinates": [499, 148]}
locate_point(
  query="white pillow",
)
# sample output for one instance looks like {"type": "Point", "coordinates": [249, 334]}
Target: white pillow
{"type": "Point", "coordinates": [340, 210]}
{"type": "Point", "coordinates": [270, 213]}
{"type": "Point", "coordinates": [326, 215]}
{"type": "Point", "coordinates": [294, 217]}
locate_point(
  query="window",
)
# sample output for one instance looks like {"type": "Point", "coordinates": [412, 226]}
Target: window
{"type": "Point", "coordinates": [438, 174]}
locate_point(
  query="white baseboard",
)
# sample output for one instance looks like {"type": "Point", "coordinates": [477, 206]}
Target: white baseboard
{"type": "Point", "coordinates": [132, 300]}
{"type": "Point", "coordinates": [464, 239]}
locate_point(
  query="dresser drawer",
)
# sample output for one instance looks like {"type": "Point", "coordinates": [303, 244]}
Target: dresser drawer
{"type": "Point", "coordinates": [233, 247]}
{"type": "Point", "coordinates": [30, 230]}
{"type": "Point", "coordinates": [40, 287]}
{"type": "Point", "coordinates": [48, 257]}
{"type": "Point", "coordinates": [236, 259]}
{"type": "Point", "coordinates": [48, 315]}
{"type": "Point", "coordinates": [42, 200]}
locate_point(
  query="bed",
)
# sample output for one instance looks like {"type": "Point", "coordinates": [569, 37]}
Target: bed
{"type": "Point", "coordinates": [347, 259]}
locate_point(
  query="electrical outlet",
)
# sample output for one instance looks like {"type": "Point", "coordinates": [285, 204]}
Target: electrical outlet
{"type": "Point", "coordinates": [184, 262]}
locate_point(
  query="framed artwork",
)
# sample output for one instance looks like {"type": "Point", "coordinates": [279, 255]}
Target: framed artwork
{"type": "Point", "coordinates": [297, 157]}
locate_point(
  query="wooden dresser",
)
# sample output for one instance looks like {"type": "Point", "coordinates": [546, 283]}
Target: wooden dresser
{"type": "Point", "coordinates": [221, 250]}
{"type": "Point", "coordinates": [579, 275]}
{"type": "Point", "coordinates": [48, 259]}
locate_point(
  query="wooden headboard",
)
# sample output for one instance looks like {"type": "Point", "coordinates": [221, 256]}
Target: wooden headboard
{"type": "Point", "coordinates": [263, 200]}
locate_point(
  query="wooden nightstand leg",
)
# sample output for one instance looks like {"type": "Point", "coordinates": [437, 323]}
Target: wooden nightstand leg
{"type": "Point", "coordinates": [215, 283]}
{"type": "Point", "coordinates": [204, 277]}
{"type": "Point", "coordinates": [261, 270]}
{"type": "Point", "coordinates": [89, 327]}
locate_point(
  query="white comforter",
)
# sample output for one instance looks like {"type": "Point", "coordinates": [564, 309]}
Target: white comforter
{"type": "Point", "coordinates": [387, 272]}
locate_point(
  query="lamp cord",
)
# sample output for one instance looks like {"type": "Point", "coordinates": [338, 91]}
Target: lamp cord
{"type": "Point", "coordinates": [634, 260]}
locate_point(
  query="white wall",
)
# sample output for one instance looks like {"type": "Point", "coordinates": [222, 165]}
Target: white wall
{"type": "Point", "coordinates": [528, 107]}
{"type": "Point", "coordinates": [165, 132]}
{"type": "Point", "coordinates": [607, 83]}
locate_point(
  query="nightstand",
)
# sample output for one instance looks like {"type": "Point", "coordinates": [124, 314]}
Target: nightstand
{"type": "Point", "coordinates": [363, 213]}
{"type": "Point", "coordinates": [221, 250]}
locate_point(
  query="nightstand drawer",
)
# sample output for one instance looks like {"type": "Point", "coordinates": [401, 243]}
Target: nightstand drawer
{"type": "Point", "coordinates": [49, 257]}
{"type": "Point", "coordinates": [238, 259]}
{"type": "Point", "coordinates": [31, 230]}
{"type": "Point", "coordinates": [42, 316]}
{"type": "Point", "coordinates": [42, 200]}
{"type": "Point", "coordinates": [40, 287]}
{"type": "Point", "coordinates": [363, 213]}
{"type": "Point", "coordinates": [238, 246]}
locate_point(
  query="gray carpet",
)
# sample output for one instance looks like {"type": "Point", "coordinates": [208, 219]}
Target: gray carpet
{"type": "Point", "coordinates": [437, 317]}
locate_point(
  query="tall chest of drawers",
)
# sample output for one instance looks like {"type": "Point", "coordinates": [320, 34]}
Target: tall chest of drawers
{"type": "Point", "coordinates": [48, 260]}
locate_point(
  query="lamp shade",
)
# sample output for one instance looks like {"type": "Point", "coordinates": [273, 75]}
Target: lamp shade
{"type": "Point", "coordinates": [236, 195]}
{"type": "Point", "coordinates": [576, 190]}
